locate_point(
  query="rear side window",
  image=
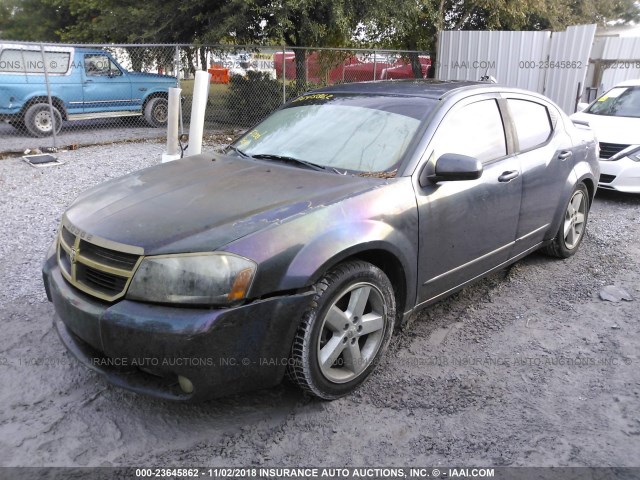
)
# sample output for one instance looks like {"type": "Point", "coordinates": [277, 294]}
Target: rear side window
{"type": "Point", "coordinates": [533, 126]}
{"type": "Point", "coordinates": [30, 61]}
{"type": "Point", "coordinates": [475, 130]}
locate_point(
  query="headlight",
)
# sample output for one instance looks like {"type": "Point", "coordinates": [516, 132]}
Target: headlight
{"type": "Point", "coordinates": [196, 278]}
{"type": "Point", "coordinates": [634, 155]}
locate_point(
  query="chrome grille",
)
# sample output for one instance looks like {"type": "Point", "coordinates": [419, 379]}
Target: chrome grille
{"type": "Point", "coordinates": [98, 271]}
{"type": "Point", "coordinates": [608, 150]}
{"type": "Point", "coordinates": [100, 254]}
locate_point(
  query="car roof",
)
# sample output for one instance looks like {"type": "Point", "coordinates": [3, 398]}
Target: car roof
{"type": "Point", "coordinates": [629, 83]}
{"type": "Point", "coordinates": [427, 88]}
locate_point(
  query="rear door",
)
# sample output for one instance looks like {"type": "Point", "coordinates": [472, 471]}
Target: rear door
{"type": "Point", "coordinates": [105, 86]}
{"type": "Point", "coordinates": [545, 153]}
{"type": "Point", "coordinates": [468, 227]}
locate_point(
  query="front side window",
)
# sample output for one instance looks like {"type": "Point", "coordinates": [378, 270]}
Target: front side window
{"type": "Point", "coordinates": [354, 132]}
{"type": "Point", "coordinates": [475, 130]}
{"type": "Point", "coordinates": [100, 65]}
{"type": "Point", "coordinates": [618, 102]}
{"type": "Point", "coordinates": [533, 126]}
{"type": "Point", "coordinates": [31, 61]}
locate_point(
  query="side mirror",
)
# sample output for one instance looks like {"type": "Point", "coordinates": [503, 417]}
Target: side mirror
{"type": "Point", "coordinates": [451, 167]}
{"type": "Point", "coordinates": [582, 106]}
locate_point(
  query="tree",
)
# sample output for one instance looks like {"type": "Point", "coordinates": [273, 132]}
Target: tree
{"type": "Point", "coordinates": [414, 24]}
{"type": "Point", "coordinates": [296, 23]}
{"type": "Point", "coordinates": [32, 20]}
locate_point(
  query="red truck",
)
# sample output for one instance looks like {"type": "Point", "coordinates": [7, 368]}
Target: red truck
{"type": "Point", "coordinates": [352, 69]}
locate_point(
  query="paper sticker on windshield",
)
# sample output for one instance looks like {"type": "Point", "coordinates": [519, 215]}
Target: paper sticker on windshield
{"type": "Point", "coordinates": [314, 98]}
{"type": "Point", "coordinates": [613, 93]}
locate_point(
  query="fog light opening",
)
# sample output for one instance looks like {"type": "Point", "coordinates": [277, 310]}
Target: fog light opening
{"type": "Point", "coordinates": [185, 384]}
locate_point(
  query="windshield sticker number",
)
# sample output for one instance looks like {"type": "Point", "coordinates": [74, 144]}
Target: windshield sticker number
{"type": "Point", "coordinates": [314, 96]}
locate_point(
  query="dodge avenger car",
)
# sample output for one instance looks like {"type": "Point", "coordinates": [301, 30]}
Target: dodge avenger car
{"type": "Point", "coordinates": [302, 247]}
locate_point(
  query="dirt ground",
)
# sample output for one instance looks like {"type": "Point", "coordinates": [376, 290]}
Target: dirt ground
{"type": "Point", "coordinates": [528, 367]}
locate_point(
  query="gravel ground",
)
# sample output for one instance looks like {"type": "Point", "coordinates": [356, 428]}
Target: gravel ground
{"type": "Point", "coordinates": [527, 367]}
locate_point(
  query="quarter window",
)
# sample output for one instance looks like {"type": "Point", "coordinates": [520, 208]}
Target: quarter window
{"type": "Point", "coordinates": [533, 126]}
{"type": "Point", "coordinates": [475, 130]}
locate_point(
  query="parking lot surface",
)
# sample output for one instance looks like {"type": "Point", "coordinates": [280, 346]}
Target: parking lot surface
{"type": "Point", "coordinates": [526, 367]}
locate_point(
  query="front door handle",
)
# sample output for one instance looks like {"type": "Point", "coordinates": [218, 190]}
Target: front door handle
{"type": "Point", "coordinates": [508, 176]}
{"type": "Point", "coordinates": [565, 154]}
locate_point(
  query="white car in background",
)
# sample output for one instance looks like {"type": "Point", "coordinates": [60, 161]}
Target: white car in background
{"type": "Point", "coordinates": [615, 119]}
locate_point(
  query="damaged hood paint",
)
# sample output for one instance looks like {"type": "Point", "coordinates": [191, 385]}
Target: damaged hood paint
{"type": "Point", "coordinates": [205, 202]}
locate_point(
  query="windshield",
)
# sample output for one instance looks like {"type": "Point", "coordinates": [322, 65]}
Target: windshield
{"type": "Point", "coordinates": [618, 102]}
{"type": "Point", "coordinates": [360, 133]}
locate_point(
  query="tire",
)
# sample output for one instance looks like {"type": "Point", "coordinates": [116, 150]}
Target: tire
{"type": "Point", "coordinates": [18, 125]}
{"type": "Point", "coordinates": [573, 225]}
{"type": "Point", "coordinates": [38, 120]}
{"type": "Point", "coordinates": [349, 323]}
{"type": "Point", "coordinates": [156, 112]}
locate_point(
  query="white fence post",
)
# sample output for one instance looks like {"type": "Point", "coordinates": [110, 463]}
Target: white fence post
{"type": "Point", "coordinates": [198, 107]}
{"type": "Point", "coordinates": [173, 152]}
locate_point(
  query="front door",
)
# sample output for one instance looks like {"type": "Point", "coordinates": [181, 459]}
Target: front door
{"type": "Point", "coordinates": [106, 88]}
{"type": "Point", "coordinates": [467, 227]}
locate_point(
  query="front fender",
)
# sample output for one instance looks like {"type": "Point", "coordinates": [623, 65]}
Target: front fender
{"type": "Point", "coordinates": [334, 246]}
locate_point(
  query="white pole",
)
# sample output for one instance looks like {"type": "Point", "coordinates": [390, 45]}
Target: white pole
{"type": "Point", "coordinates": [173, 152]}
{"type": "Point", "coordinates": [198, 107]}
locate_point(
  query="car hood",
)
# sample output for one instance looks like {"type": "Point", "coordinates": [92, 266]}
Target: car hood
{"type": "Point", "coordinates": [624, 130]}
{"type": "Point", "coordinates": [204, 202]}
{"type": "Point", "coordinates": [151, 77]}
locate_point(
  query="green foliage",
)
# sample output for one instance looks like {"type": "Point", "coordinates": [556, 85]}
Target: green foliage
{"type": "Point", "coordinates": [31, 20]}
{"type": "Point", "coordinates": [251, 98]}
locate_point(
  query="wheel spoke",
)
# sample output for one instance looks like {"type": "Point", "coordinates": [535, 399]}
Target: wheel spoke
{"type": "Point", "coordinates": [567, 228]}
{"type": "Point", "coordinates": [353, 358]}
{"type": "Point", "coordinates": [358, 301]}
{"type": "Point", "coordinates": [576, 202]}
{"type": "Point", "coordinates": [570, 208]}
{"type": "Point", "coordinates": [331, 351]}
{"type": "Point", "coordinates": [371, 322]}
{"type": "Point", "coordinates": [579, 218]}
{"type": "Point", "coordinates": [336, 319]}
{"type": "Point", "coordinates": [572, 236]}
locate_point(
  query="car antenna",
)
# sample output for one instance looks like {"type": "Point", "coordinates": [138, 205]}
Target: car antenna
{"type": "Point", "coordinates": [488, 78]}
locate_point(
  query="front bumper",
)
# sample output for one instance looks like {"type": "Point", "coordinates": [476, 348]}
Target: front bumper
{"type": "Point", "coordinates": [144, 347]}
{"type": "Point", "coordinates": [622, 175]}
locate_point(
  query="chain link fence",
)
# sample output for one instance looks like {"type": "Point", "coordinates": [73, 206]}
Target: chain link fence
{"type": "Point", "coordinates": [55, 96]}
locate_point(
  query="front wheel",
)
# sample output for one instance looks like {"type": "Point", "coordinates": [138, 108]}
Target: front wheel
{"type": "Point", "coordinates": [156, 112]}
{"type": "Point", "coordinates": [345, 331]}
{"type": "Point", "coordinates": [39, 121]}
{"type": "Point", "coordinates": [573, 226]}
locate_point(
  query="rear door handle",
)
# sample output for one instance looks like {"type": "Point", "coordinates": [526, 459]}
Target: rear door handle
{"type": "Point", "coordinates": [565, 154]}
{"type": "Point", "coordinates": [508, 176]}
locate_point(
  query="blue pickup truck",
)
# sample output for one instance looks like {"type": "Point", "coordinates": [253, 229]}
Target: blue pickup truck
{"type": "Point", "coordinates": [84, 84]}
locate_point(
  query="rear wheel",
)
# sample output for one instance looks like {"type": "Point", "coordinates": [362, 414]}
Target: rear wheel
{"type": "Point", "coordinates": [18, 125]}
{"type": "Point", "coordinates": [573, 226]}
{"type": "Point", "coordinates": [345, 332]}
{"type": "Point", "coordinates": [156, 112]}
{"type": "Point", "coordinates": [39, 122]}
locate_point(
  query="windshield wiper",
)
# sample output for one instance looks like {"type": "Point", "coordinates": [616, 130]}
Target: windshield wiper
{"type": "Point", "coordinates": [284, 158]}
{"type": "Point", "coordinates": [236, 149]}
